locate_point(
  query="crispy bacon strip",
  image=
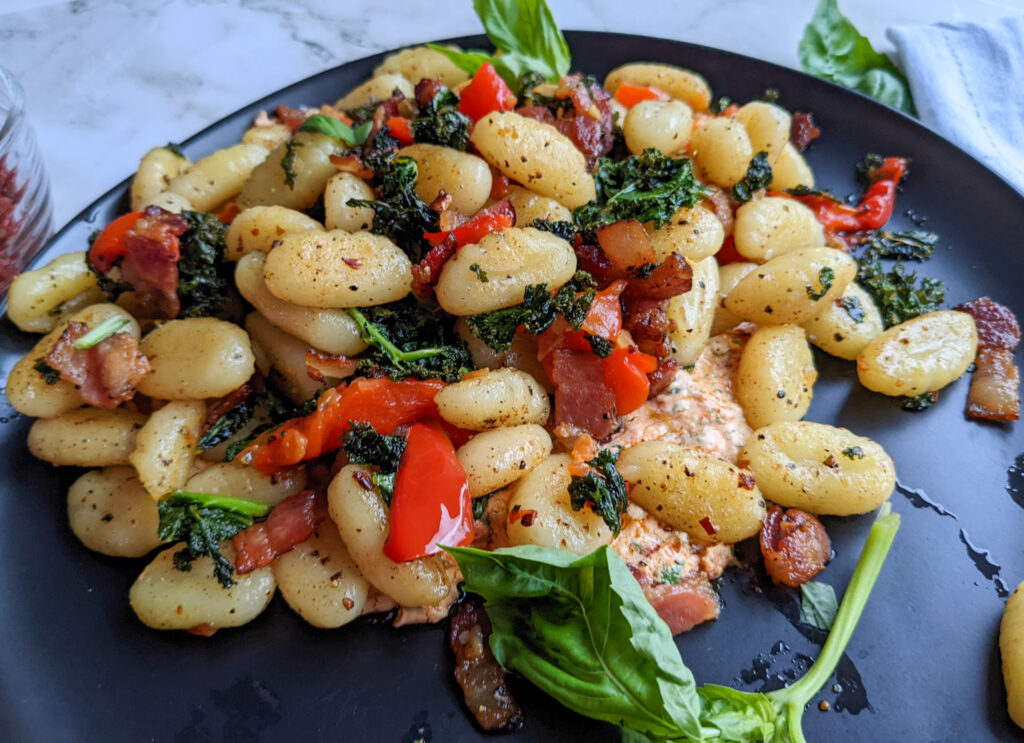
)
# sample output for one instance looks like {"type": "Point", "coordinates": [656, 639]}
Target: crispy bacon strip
{"type": "Point", "coordinates": [671, 277]}
{"type": "Point", "coordinates": [351, 163]}
{"type": "Point", "coordinates": [794, 545]}
{"type": "Point", "coordinates": [483, 681]}
{"type": "Point", "coordinates": [589, 125]}
{"type": "Point", "coordinates": [995, 385]}
{"type": "Point", "coordinates": [292, 522]}
{"type": "Point", "coordinates": [803, 131]}
{"type": "Point", "coordinates": [320, 365]}
{"type": "Point", "coordinates": [150, 263]}
{"type": "Point", "coordinates": [582, 399]}
{"type": "Point", "coordinates": [106, 374]}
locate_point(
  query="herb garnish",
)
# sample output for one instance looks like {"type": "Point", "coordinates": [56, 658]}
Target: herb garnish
{"type": "Point", "coordinates": [853, 308]}
{"type": "Point", "coordinates": [322, 124]}
{"type": "Point", "coordinates": [50, 375]}
{"type": "Point", "coordinates": [480, 273]}
{"type": "Point", "coordinates": [898, 294]}
{"type": "Point", "coordinates": [758, 176]}
{"type": "Point", "coordinates": [440, 122]}
{"type": "Point", "coordinates": [818, 605]}
{"type": "Point", "coordinates": [205, 279]}
{"type": "Point", "coordinates": [604, 491]}
{"type": "Point", "coordinates": [825, 277]}
{"type": "Point", "coordinates": [288, 162]}
{"type": "Point", "coordinates": [364, 445]}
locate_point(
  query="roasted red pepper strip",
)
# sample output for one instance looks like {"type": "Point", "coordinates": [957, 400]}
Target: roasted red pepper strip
{"type": "Point", "coordinates": [109, 245]}
{"type": "Point", "coordinates": [495, 218]}
{"type": "Point", "coordinates": [431, 505]}
{"type": "Point", "coordinates": [626, 373]}
{"type": "Point", "coordinates": [604, 320]}
{"type": "Point", "coordinates": [384, 403]}
{"type": "Point", "coordinates": [401, 129]}
{"type": "Point", "coordinates": [874, 208]}
{"type": "Point", "coordinates": [485, 93]}
{"type": "Point", "coordinates": [629, 95]}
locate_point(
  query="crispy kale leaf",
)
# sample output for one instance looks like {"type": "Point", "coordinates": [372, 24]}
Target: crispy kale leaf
{"type": "Point", "coordinates": [278, 411]}
{"type": "Point", "coordinates": [853, 308]}
{"type": "Point", "coordinates": [565, 230]}
{"type": "Point", "coordinates": [898, 293]}
{"type": "Point", "coordinates": [50, 375]}
{"type": "Point", "coordinates": [919, 402]}
{"type": "Point", "coordinates": [439, 122]}
{"type": "Point", "coordinates": [364, 445]}
{"type": "Point", "coordinates": [912, 245]}
{"type": "Point", "coordinates": [537, 312]}
{"type": "Point", "coordinates": [203, 521]}
{"type": "Point", "coordinates": [409, 339]}
{"type": "Point", "coordinates": [649, 187]}
{"type": "Point", "coordinates": [605, 493]}
{"type": "Point", "coordinates": [399, 214]}
{"type": "Point", "coordinates": [758, 176]}
{"type": "Point", "coordinates": [204, 277]}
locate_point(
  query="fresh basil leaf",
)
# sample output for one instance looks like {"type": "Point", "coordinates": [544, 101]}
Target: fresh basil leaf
{"type": "Point", "coordinates": [833, 49]}
{"type": "Point", "coordinates": [737, 716]}
{"type": "Point", "coordinates": [322, 124]}
{"type": "Point", "coordinates": [818, 605]}
{"type": "Point", "coordinates": [581, 630]}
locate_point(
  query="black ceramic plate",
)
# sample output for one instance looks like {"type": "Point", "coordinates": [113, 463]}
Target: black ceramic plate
{"type": "Point", "coordinates": [923, 665]}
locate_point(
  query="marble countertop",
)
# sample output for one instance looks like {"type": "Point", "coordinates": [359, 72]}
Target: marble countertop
{"type": "Point", "coordinates": [106, 80]}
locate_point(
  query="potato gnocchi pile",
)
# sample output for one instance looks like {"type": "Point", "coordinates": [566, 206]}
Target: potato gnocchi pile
{"type": "Point", "coordinates": [326, 259]}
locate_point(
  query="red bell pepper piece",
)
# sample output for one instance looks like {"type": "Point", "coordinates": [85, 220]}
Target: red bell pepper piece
{"type": "Point", "coordinates": [401, 129]}
{"type": "Point", "coordinates": [384, 403]}
{"type": "Point", "coordinates": [109, 245]}
{"type": "Point", "coordinates": [629, 95]}
{"type": "Point", "coordinates": [485, 93]}
{"type": "Point", "coordinates": [431, 505]}
{"type": "Point", "coordinates": [494, 218]}
{"type": "Point", "coordinates": [604, 320]}
{"type": "Point", "coordinates": [871, 212]}
{"type": "Point", "coordinates": [626, 373]}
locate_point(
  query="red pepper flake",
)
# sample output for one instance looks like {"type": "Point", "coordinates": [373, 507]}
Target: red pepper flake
{"type": "Point", "coordinates": [364, 480]}
{"type": "Point", "coordinates": [352, 262]}
{"type": "Point", "coordinates": [526, 517]}
{"type": "Point", "coordinates": [708, 526]}
{"type": "Point", "coordinates": [746, 481]}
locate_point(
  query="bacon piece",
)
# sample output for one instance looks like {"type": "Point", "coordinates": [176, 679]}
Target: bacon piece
{"type": "Point", "coordinates": [290, 117]}
{"type": "Point", "coordinates": [588, 125]}
{"type": "Point", "coordinates": [648, 324]}
{"type": "Point", "coordinates": [626, 243]}
{"type": "Point", "coordinates": [671, 277]}
{"type": "Point", "coordinates": [386, 109]}
{"type": "Point", "coordinates": [218, 408]}
{"type": "Point", "coordinates": [483, 681]}
{"type": "Point", "coordinates": [426, 273]}
{"type": "Point", "coordinates": [685, 604]}
{"type": "Point", "coordinates": [803, 131]}
{"type": "Point", "coordinates": [427, 90]}
{"type": "Point", "coordinates": [794, 545]}
{"type": "Point", "coordinates": [292, 522]}
{"type": "Point", "coordinates": [150, 263]}
{"type": "Point", "coordinates": [661, 378]}
{"type": "Point", "coordinates": [592, 259]}
{"type": "Point", "coordinates": [540, 113]}
{"type": "Point", "coordinates": [320, 365]}
{"type": "Point", "coordinates": [105, 374]}
{"type": "Point", "coordinates": [582, 399]}
{"type": "Point", "coordinates": [351, 163]}
{"type": "Point", "coordinates": [995, 385]}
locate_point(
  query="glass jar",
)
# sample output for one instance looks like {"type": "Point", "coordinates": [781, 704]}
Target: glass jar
{"type": "Point", "coordinates": [26, 213]}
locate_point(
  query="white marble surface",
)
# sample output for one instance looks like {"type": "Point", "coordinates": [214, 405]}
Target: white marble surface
{"type": "Point", "coordinates": [106, 80]}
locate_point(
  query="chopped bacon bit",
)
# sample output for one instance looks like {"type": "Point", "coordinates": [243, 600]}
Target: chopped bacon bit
{"type": "Point", "coordinates": [351, 163]}
{"type": "Point", "coordinates": [482, 679]}
{"type": "Point", "coordinates": [803, 131]}
{"type": "Point", "coordinates": [292, 522]}
{"type": "Point", "coordinates": [723, 204]}
{"type": "Point", "coordinates": [427, 90]}
{"type": "Point", "coordinates": [648, 325]}
{"type": "Point", "coordinates": [707, 526]}
{"type": "Point", "coordinates": [216, 409]}
{"type": "Point", "coordinates": [320, 365]}
{"type": "Point", "coordinates": [150, 263]}
{"type": "Point", "coordinates": [592, 259]}
{"type": "Point", "coordinates": [499, 186]}
{"type": "Point", "coordinates": [670, 278]}
{"type": "Point", "coordinates": [203, 630]}
{"type": "Point", "coordinates": [426, 273]}
{"type": "Point", "coordinates": [746, 481]}
{"type": "Point", "coordinates": [364, 480]}
{"type": "Point", "coordinates": [794, 545]}
{"type": "Point", "coordinates": [290, 117]}
{"type": "Point", "coordinates": [589, 125]}
{"type": "Point", "coordinates": [626, 243]}
{"type": "Point", "coordinates": [105, 374]}
{"type": "Point", "coordinates": [995, 385]}
{"type": "Point", "coordinates": [582, 399]}
{"type": "Point", "coordinates": [661, 378]}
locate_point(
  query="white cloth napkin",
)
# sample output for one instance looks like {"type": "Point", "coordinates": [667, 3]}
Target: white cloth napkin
{"type": "Point", "coordinates": [968, 84]}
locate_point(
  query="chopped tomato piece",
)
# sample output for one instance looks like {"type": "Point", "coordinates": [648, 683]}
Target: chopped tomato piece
{"type": "Point", "coordinates": [629, 95]}
{"type": "Point", "coordinates": [626, 373]}
{"type": "Point", "coordinates": [401, 129]}
{"type": "Point", "coordinates": [431, 505]}
{"type": "Point", "coordinates": [109, 245]}
{"type": "Point", "coordinates": [384, 403]}
{"type": "Point", "coordinates": [485, 93]}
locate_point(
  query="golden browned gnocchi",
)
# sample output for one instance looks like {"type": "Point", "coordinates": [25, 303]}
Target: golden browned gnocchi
{"type": "Point", "coordinates": [772, 226]}
{"type": "Point", "coordinates": [498, 457]}
{"type": "Point", "coordinates": [491, 399]}
{"type": "Point", "coordinates": [464, 177]}
{"type": "Point", "coordinates": [776, 374]}
{"type": "Point", "coordinates": [663, 125]}
{"type": "Point", "coordinates": [259, 227]}
{"type": "Point", "coordinates": [216, 178]}
{"type": "Point", "coordinates": [37, 301]}
{"type": "Point", "coordinates": [684, 85]}
{"type": "Point", "coordinates": [1011, 647]}
{"type": "Point", "coordinates": [87, 437]}
{"type": "Point", "coordinates": [293, 175]}
{"type": "Point", "coordinates": [111, 513]}
{"type": "Point", "coordinates": [165, 446]}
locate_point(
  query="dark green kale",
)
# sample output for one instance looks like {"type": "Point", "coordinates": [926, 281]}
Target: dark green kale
{"type": "Point", "coordinates": [920, 402]}
{"type": "Point", "coordinates": [50, 375]}
{"type": "Point", "coordinates": [363, 113]}
{"type": "Point", "coordinates": [440, 122]}
{"type": "Point", "coordinates": [480, 506]}
{"type": "Point", "coordinates": [808, 191]}
{"type": "Point", "coordinates": [866, 168]}
{"type": "Point", "coordinates": [409, 339]}
{"type": "Point", "coordinates": [380, 151]}
{"type": "Point", "coordinates": [898, 293]}
{"type": "Point", "coordinates": [604, 491]}
{"type": "Point", "coordinates": [825, 277]}
{"type": "Point", "coordinates": [278, 410]}
{"type": "Point", "coordinates": [601, 347]}
{"type": "Point", "coordinates": [204, 278]}
{"type": "Point", "coordinates": [649, 187]}
{"type": "Point", "coordinates": [912, 245]}
{"type": "Point", "coordinates": [719, 105]}
{"type": "Point", "coordinates": [853, 452]}
{"type": "Point", "coordinates": [364, 445]}
{"type": "Point", "coordinates": [565, 230]}
{"type": "Point", "coordinates": [758, 176]}
{"type": "Point", "coordinates": [203, 521]}
{"type": "Point", "coordinates": [853, 308]}
{"type": "Point", "coordinates": [399, 214]}
{"type": "Point", "coordinates": [288, 162]}
{"type": "Point", "coordinates": [230, 423]}
{"type": "Point", "coordinates": [537, 312]}
{"type": "Point", "coordinates": [771, 95]}
{"type": "Point", "coordinates": [480, 273]}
